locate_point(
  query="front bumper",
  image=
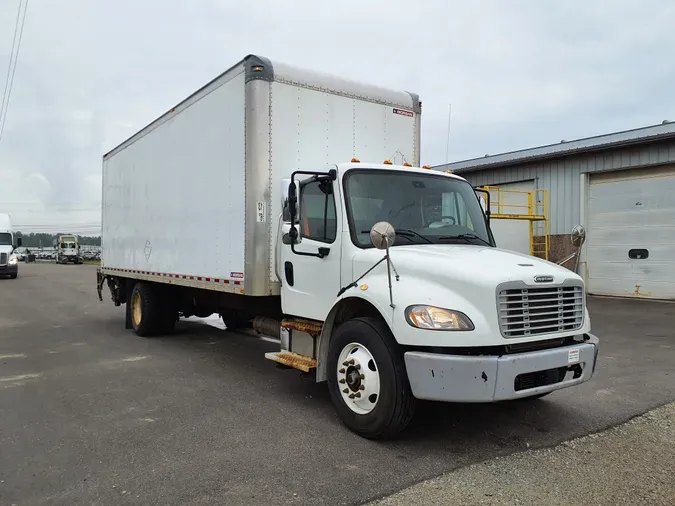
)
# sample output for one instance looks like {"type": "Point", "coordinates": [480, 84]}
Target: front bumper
{"type": "Point", "coordinates": [6, 270]}
{"type": "Point", "coordinates": [459, 378]}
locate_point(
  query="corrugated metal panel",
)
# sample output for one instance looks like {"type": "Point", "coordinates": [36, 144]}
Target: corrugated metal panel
{"type": "Point", "coordinates": [602, 142]}
{"type": "Point", "coordinates": [561, 176]}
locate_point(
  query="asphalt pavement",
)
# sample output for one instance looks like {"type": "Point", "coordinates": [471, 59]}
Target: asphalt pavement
{"type": "Point", "coordinates": [92, 414]}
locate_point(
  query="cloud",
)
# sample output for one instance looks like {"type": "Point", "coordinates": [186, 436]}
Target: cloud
{"type": "Point", "coordinates": [517, 73]}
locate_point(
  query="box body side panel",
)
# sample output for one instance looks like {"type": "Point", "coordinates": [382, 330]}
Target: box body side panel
{"type": "Point", "coordinates": [173, 200]}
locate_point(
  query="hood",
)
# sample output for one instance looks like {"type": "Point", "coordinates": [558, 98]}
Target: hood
{"type": "Point", "coordinates": [459, 263]}
{"type": "Point", "coordinates": [6, 249]}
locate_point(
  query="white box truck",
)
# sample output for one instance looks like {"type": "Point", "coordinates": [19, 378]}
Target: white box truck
{"type": "Point", "coordinates": [9, 262]}
{"type": "Point", "coordinates": [292, 202]}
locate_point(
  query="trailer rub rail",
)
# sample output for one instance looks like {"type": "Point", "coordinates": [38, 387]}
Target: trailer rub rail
{"type": "Point", "coordinates": [225, 285]}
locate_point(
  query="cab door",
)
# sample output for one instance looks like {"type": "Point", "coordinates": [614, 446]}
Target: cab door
{"type": "Point", "coordinates": [310, 266]}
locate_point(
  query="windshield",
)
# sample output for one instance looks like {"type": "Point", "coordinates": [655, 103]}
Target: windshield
{"type": "Point", "coordinates": [422, 208]}
{"type": "Point", "coordinates": [5, 239]}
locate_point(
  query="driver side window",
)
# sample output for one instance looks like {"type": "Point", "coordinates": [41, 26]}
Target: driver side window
{"type": "Point", "coordinates": [317, 211]}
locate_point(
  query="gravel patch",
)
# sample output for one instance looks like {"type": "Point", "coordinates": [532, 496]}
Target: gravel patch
{"type": "Point", "coordinates": [633, 463]}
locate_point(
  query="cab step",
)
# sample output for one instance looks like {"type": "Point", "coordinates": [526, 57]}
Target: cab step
{"type": "Point", "coordinates": [293, 360]}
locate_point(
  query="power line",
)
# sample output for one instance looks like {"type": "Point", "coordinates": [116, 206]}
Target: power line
{"type": "Point", "coordinates": [9, 81]}
{"type": "Point", "coordinates": [9, 64]}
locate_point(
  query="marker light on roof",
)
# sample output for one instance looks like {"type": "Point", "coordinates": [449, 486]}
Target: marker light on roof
{"type": "Point", "coordinates": [406, 164]}
{"type": "Point", "coordinates": [356, 160]}
{"type": "Point", "coordinates": [387, 162]}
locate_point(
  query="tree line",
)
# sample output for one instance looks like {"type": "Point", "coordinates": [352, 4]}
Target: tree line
{"type": "Point", "coordinates": [34, 240]}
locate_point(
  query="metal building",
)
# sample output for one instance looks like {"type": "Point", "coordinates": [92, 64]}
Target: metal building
{"type": "Point", "coordinates": [619, 186]}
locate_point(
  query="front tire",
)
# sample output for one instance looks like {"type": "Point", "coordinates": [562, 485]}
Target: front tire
{"type": "Point", "coordinates": [367, 380]}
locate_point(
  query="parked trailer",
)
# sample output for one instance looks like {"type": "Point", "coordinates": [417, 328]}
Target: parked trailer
{"type": "Point", "coordinates": [380, 279]}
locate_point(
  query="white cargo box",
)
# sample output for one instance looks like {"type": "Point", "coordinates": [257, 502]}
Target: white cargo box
{"type": "Point", "coordinates": [193, 198]}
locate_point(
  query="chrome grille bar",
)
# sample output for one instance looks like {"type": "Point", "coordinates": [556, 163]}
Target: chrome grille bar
{"type": "Point", "coordinates": [535, 311]}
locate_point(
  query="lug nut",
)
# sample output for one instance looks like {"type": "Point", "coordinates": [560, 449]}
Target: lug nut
{"type": "Point", "coordinates": [342, 380]}
{"type": "Point", "coordinates": [357, 394]}
{"type": "Point", "coordinates": [342, 371]}
{"type": "Point", "coordinates": [362, 376]}
{"type": "Point", "coordinates": [362, 387]}
{"type": "Point", "coordinates": [351, 396]}
{"type": "Point", "coordinates": [345, 391]}
{"type": "Point", "coordinates": [357, 366]}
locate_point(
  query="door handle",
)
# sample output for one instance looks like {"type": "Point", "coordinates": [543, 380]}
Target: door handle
{"type": "Point", "coordinates": [288, 272]}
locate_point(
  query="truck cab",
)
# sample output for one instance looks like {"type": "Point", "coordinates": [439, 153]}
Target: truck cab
{"type": "Point", "coordinates": [68, 249]}
{"type": "Point", "coordinates": [399, 267]}
{"type": "Point", "coordinates": [9, 262]}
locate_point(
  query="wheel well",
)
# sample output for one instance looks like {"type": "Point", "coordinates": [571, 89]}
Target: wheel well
{"type": "Point", "coordinates": [346, 309]}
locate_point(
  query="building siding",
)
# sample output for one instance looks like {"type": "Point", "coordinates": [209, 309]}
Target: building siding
{"type": "Point", "coordinates": [561, 175]}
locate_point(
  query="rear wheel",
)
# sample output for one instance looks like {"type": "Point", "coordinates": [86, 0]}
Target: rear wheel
{"type": "Point", "coordinates": [367, 379]}
{"type": "Point", "coordinates": [149, 311]}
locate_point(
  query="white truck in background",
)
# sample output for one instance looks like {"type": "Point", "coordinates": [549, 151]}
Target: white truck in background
{"type": "Point", "coordinates": [381, 279]}
{"type": "Point", "coordinates": [67, 249]}
{"type": "Point", "coordinates": [9, 262]}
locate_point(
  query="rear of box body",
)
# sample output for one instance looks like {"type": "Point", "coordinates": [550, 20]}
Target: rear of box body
{"type": "Point", "coordinates": [194, 198]}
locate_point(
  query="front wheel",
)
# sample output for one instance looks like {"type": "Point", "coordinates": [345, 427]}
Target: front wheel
{"type": "Point", "coordinates": [367, 380]}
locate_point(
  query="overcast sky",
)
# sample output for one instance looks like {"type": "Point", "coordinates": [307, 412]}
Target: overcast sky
{"type": "Point", "coordinates": [518, 74]}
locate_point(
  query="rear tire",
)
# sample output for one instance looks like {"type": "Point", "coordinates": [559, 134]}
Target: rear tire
{"type": "Point", "coordinates": [13, 276]}
{"type": "Point", "coordinates": [385, 404]}
{"type": "Point", "coordinates": [145, 310]}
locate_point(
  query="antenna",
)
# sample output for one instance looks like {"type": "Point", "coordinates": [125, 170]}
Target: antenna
{"type": "Point", "coordinates": [447, 146]}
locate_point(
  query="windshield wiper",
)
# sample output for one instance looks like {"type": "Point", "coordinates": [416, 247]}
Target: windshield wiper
{"type": "Point", "coordinates": [467, 237]}
{"type": "Point", "coordinates": [407, 233]}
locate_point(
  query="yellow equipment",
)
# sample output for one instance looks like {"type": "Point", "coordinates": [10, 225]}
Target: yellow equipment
{"type": "Point", "coordinates": [534, 208]}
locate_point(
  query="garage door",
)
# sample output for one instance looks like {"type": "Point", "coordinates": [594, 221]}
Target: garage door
{"type": "Point", "coordinates": [513, 235]}
{"type": "Point", "coordinates": [631, 233]}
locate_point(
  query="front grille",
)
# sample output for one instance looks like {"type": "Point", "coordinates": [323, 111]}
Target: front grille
{"type": "Point", "coordinates": [3, 258]}
{"type": "Point", "coordinates": [525, 312]}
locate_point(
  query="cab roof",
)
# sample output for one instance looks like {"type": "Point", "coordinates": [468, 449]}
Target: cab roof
{"type": "Point", "coordinates": [343, 167]}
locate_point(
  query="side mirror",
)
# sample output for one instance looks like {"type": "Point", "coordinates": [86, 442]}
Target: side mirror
{"type": "Point", "coordinates": [484, 201]}
{"type": "Point", "coordinates": [286, 191]}
{"type": "Point", "coordinates": [19, 242]}
{"type": "Point", "coordinates": [292, 201]}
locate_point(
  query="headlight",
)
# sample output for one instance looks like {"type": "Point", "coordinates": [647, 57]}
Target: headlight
{"type": "Point", "coordinates": [436, 318]}
{"type": "Point", "coordinates": [13, 260]}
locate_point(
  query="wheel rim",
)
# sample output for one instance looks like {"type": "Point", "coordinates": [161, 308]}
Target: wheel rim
{"type": "Point", "coordinates": [136, 312]}
{"type": "Point", "coordinates": [358, 378]}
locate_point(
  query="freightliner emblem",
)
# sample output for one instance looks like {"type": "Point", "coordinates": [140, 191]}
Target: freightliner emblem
{"type": "Point", "coordinates": [543, 279]}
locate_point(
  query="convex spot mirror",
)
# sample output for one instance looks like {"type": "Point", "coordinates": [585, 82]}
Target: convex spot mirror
{"type": "Point", "coordinates": [578, 236]}
{"type": "Point", "coordinates": [382, 235]}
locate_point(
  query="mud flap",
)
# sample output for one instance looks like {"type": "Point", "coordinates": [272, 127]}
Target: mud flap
{"type": "Point", "coordinates": [100, 279]}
